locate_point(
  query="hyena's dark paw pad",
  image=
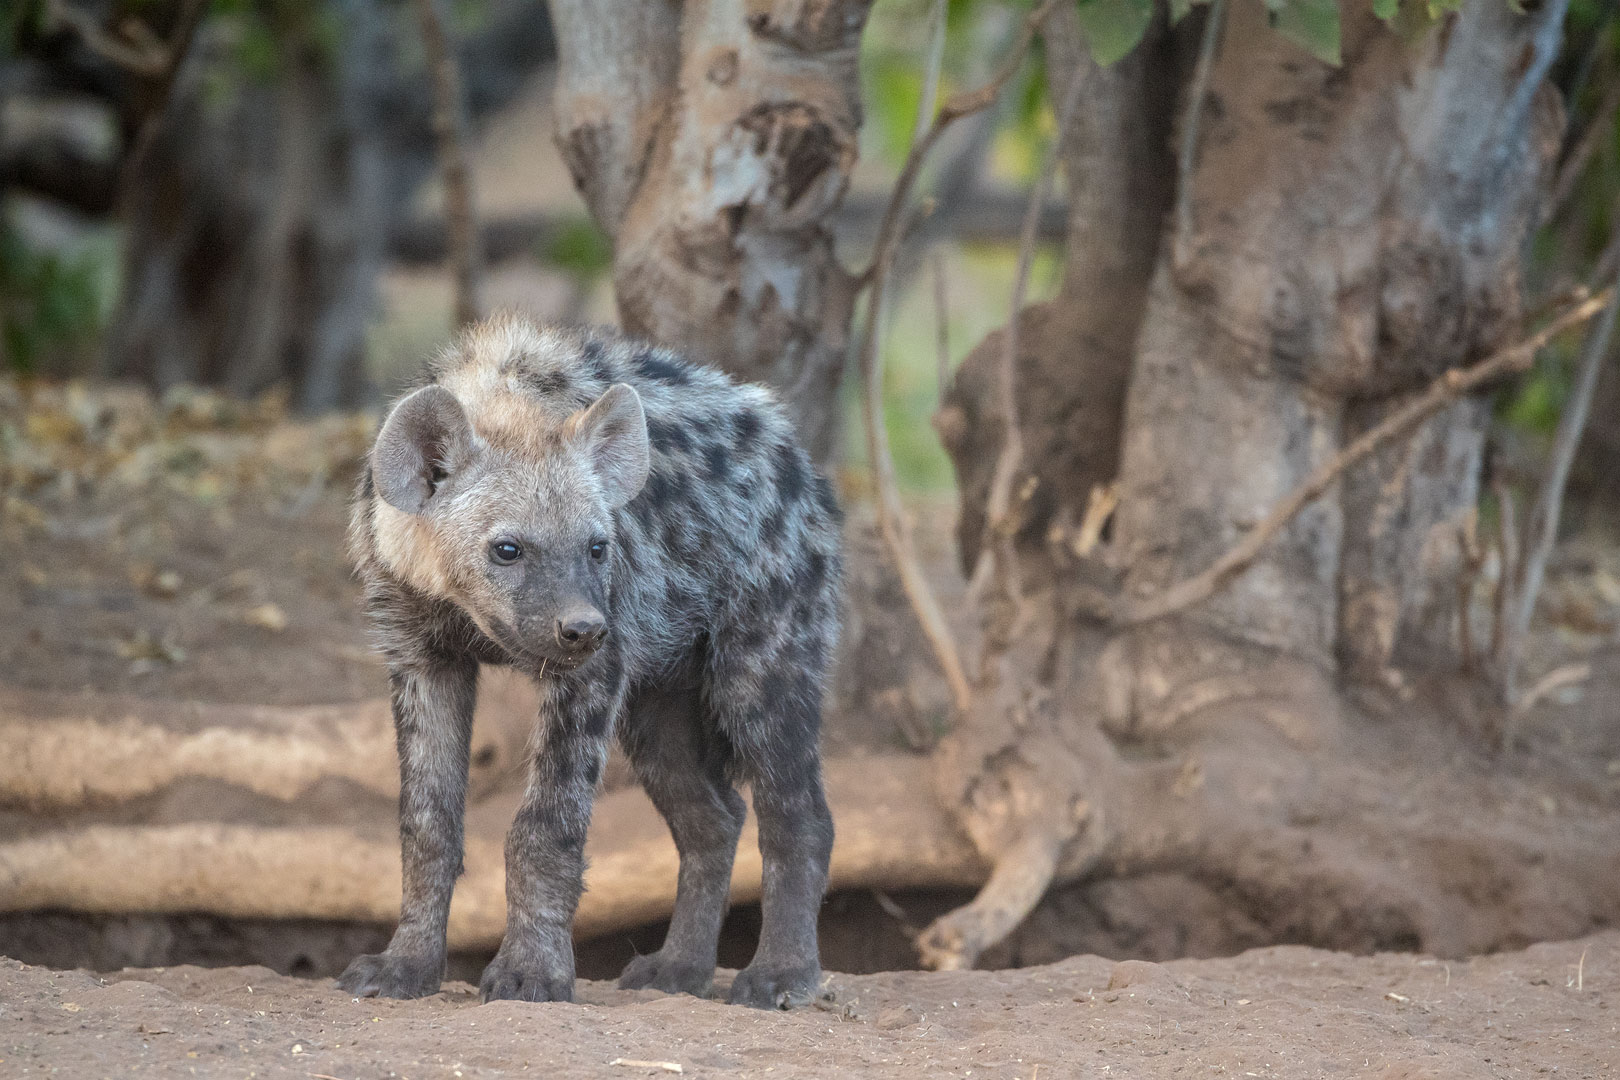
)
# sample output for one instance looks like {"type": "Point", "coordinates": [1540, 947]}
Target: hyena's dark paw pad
{"type": "Point", "coordinates": [767, 986]}
{"type": "Point", "coordinates": [506, 980]}
{"type": "Point", "coordinates": [392, 975]}
{"type": "Point", "coordinates": [672, 975]}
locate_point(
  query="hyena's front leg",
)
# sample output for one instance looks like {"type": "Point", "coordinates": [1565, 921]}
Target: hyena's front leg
{"type": "Point", "coordinates": [545, 851]}
{"type": "Point", "coordinates": [433, 715]}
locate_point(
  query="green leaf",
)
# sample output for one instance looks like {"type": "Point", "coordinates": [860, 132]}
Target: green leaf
{"type": "Point", "coordinates": [1386, 9]}
{"type": "Point", "coordinates": [1113, 27]}
{"type": "Point", "coordinates": [1313, 24]}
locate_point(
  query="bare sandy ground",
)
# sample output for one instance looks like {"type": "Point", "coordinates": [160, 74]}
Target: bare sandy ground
{"type": "Point", "coordinates": [1284, 1011]}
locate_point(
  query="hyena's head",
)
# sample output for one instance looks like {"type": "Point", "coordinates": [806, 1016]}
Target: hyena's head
{"type": "Point", "coordinates": [514, 522]}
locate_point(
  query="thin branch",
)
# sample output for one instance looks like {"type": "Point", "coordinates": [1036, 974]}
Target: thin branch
{"type": "Point", "coordinates": [892, 522]}
{"type": "Point", "coordinates": [1192, 120]}
{"type": "Point", "coordinates": [1541, 530]}
{"type": "Point", "coordinates": [1550, 683]}
{"type": "Point", "coordinates": [1598, 129]}
{"type": "Point", "coordinates": [929, 99]}
{"type": "Point", "coordinates": [957, 106]}
{"type": "Point", "coordinates": [1468, 569]}
{"type": "Point", "coordinates": [450, 134]}
{"type": "Point", "coordinates": [1445, 390]}
{"type": "Point", "coordinates": [147, 58]}
{"type": "Point", "coordinates": [942, 329]}
{"type": "Point", "coordinates": [1000, 518]}
{"type": "Point", "coordinates": [1507, 557]}
{"type": "Point", "coordinates": [157, 111]}
{"type": "Point", "coordinates": [1595, 48]}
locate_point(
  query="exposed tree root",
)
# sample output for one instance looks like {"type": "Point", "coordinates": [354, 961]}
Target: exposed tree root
{"type": "Point", "coordinates": [331, 850]}
{"type": "Point", "coordinates": [1217, 761]}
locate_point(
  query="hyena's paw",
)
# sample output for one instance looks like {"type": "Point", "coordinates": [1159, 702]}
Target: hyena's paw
{"type": "Point", "coordinates": [510, 979]}
{"type": "Point", "coordinates": [393, 975]}
{"type": "Point", "coordinates": [671, 974]}
{"type": "Point", "coordinates": [773, 986]}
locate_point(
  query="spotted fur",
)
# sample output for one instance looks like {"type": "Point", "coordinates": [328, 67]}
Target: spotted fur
{"type": "Point", "coordinates": [719, 592]}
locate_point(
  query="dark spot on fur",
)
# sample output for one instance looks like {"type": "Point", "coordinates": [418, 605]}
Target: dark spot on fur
{"type": "Point", "coordinates": [747, 426]}
{"type": "Point", "coordinates": [779, 593]}
{"type": "Point", "coordinates": [547, 383]}
{"type": "Point", "coordinates": [815, 572]}
{"type": "Point", "coordinates": [593, 772]}
{"type": "Point", "coordinates": [368, 485]}
{"type": "Point", "coordinates": [790, 472]}
{"type": "Point", "coordinates": [716, 456]}
{"type": "Point", "coordinates": [772, 528]}
{"type": "Point", "coordinates": [661, 368]}
{"type": "Point", "coordinates": [598, 721]}
{"type": "Point", "coordinates": [658, 492]}
{"type": "Point", "coordinates": [595, 362]}
{"type": "Point", "coordinates": [668, 437]}
{"type": "Point", "coordinates": [827, 499]}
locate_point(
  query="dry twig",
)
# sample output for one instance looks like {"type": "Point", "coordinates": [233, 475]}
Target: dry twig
{"type": "Point", "coordinates": [892, 521]}
{"type": "Point", "coordinates": [1445, 390]}
{"type": "Point", "coordinates": [1000, 517]}
{"type": "Point", "coordinates": [1507, 557]}
{"type": "Point", "coordinates": [1192, 121]}
{"type": "Point", "coordinates": [1599, 128]}
{"type": "Point", "coordinates": [1550, 683]}
{"type": "Point", "coordinates": [147, 57]}
{"type": "Point", "coordinates": [942, 330]}
{"type": "Point", "coordinates": [449, 131]}
{"type": "Point", "coordinates": [1473, 561]}
{"type": "Point", "coordinates": [638, 1063]}
{"type": "Point", "coordinates": [1541, 529]}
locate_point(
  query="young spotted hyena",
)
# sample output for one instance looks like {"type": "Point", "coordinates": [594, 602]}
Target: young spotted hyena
{"type": "Point", "coordinates": [645, 539]}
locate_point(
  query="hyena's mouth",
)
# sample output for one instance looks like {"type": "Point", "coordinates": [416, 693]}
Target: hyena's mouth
{"type": "Point", "coordinates": [540, 661]}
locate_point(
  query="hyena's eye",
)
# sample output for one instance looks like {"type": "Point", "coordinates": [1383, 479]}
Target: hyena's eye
{"type": "Point", "coordinates": [505, 552]}
{"type": "Point", "coordinates": [598, 549]}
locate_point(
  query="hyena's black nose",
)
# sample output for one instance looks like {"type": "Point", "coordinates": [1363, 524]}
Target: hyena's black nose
{"type": "Point", "coordinates": [581, 631]}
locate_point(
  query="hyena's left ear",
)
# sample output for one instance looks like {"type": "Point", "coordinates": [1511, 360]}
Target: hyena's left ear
{"type": "Point", "coordinates": [614, 432]}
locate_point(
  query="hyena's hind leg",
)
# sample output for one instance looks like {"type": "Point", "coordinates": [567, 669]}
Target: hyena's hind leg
{"type": "Point", "coordinates": [768, 704]}
{"type": "Point", "coordinates": [683, 764]}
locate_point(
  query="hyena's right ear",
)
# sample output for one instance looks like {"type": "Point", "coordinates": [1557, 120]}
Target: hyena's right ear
{"type": "Point", "coordinates": [614, 431]}
{"type": "Point", "coordinates": [425, 441]}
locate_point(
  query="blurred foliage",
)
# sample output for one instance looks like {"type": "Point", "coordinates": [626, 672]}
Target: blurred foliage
{"type": "Point", "coordinates": [1566, 249]}
{"type": "Point", "coordinates": [52, 302]}
{"type": "Point", "coordinates": [579, 248]}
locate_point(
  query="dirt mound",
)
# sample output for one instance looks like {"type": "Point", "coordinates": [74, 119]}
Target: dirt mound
{"type": "Point", "coordinates": [1284, 1011]}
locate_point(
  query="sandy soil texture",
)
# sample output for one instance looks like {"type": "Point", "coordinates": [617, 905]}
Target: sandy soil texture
{"type": "Point", "coordinates": [1284, 1011]}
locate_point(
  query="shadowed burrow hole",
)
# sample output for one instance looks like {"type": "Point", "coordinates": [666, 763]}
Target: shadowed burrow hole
{"type": "Point", "coordinates": [1161, 916]}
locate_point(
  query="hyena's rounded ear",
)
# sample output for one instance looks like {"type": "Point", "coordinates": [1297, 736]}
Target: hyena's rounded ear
{"type": "Point", "coordinates": [425, 441]}
{"type": "Point", "coordinates": [614, 432]}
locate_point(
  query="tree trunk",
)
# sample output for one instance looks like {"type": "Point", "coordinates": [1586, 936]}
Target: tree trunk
{"type": "Point", "coordinates": [256, 226]}
{"type": "Point", "coordinates": [712, 144]}
{"type": "Point", "coordinates": [1348, 233]}
{"type": "Point", "coordinates": [258, 214]}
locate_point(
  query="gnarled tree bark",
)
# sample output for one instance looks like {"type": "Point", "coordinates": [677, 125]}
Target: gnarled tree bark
{"type": "Point", "coordinates": [1348, 234]}
{"type": "Point", "coordinates": [712, 144]}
